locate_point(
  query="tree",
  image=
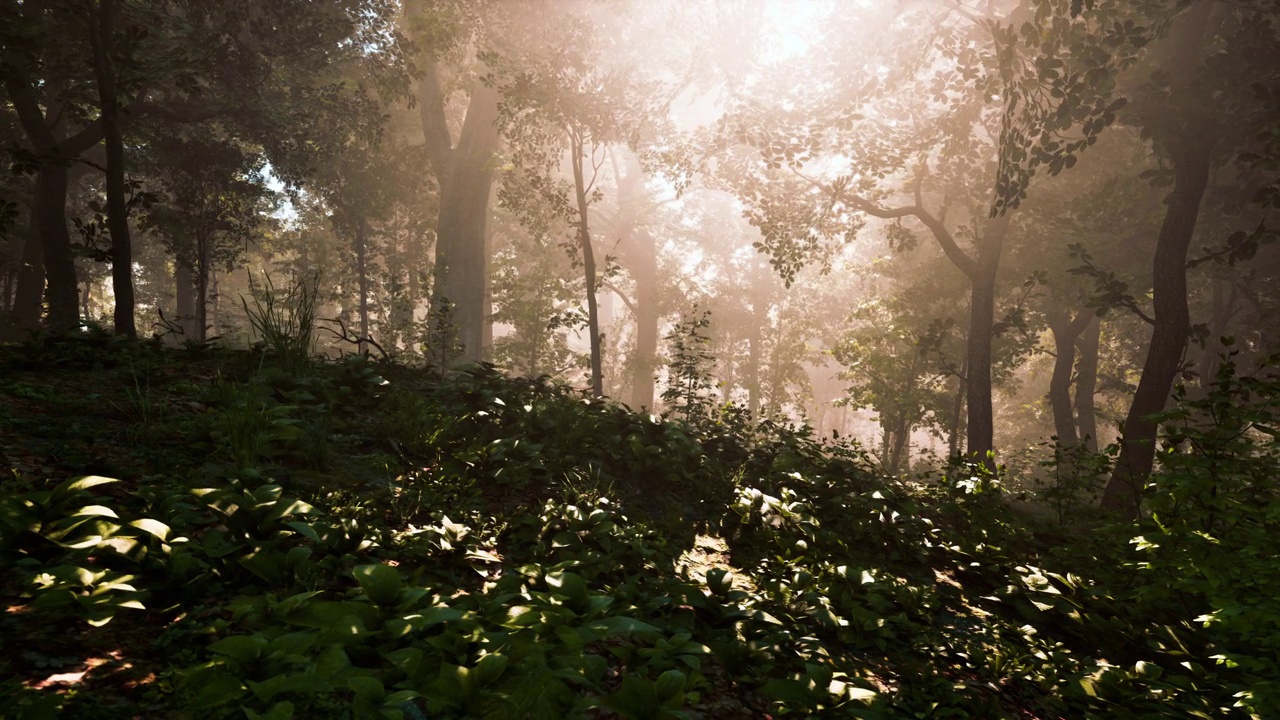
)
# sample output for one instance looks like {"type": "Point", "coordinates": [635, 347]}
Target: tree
{"type": "Point", "coordinates": [1206, 63]}
{"type": "Point", "coordinates": [568, 102]}
{"type": "Point", "coordinates": [959, 125]}
{"type": "Point", "coordinates": [211, 204]}
{"type": "Point", "coordinates": [463, 168]}
{"type": "Point", "coordinates": [689, 380]}
{"type": "Point", "coordinates": [77, 73]}
{"type": "Point", "coordinates": [47, 88]}
{"type": "Point", "coordinates": [893, 367]}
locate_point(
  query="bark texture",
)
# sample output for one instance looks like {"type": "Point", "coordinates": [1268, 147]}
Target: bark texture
{"type": "Point", "coordinates": [464, 172]}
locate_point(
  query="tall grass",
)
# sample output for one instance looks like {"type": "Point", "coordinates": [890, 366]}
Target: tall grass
{"type": "Point", "coordinates": [284, 319]}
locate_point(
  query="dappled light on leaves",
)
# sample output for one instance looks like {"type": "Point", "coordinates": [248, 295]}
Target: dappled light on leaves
{"type": "Point", "coordinates": [639, 359]}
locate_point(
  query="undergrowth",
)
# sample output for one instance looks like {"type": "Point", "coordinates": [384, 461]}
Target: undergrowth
{"type": "Point", "coordinates": [281, 539]}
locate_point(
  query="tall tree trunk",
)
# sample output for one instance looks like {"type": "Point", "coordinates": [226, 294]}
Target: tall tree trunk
{"type": "Point", "coordinates": [63, 292]}
{"type": "Point", "coordinates": [215, 296]}
{"type": "Point", "coordinates": [10, 282]}
{"type": "Point", "coordinates": [202, 272]}
{"type": "Point", "coordinates": [362, 269]}
{"type": "Point", "coordinates": [29, 295]}
{"type": "Point", "coordinates": [981, 271]}
{"type": "Point", "coordinates": [84, 298]}
{"type": "Point", "coordinates": [897, 449]}
{"type": "Point", "coordinates": [56, 152]}
{"type": "Point", "coordinates": [644, 269]}
{"type": "Point", "coordinates": [486, 326]}
{"type": "Point", "coordinates": [121, 243]}
{"type": "Point", "coordinates": [465, 175]}
{"type": "Point", "coordinates": [640, 254]}
{"type": "Point", "coordinates": [1183, 126]}
{"type": "Point", "coordinates": [1066, 331]}
{"type": "Point", "coordinates": [47, 256]}
{"type": "Point", "coordinates": [101, 36]}
{"type": "Point", "coordinates": [184, 312]}
{"type": "Point", "coordinates": [1123, 493]}
{"type": "Point", "coordinates": [755, 351]}
{"type": "Point", "coordinates": [957, 412]}
{"type": "Point", "coordinates": [1225, 296]}
{"type": "Point", "coordinates": [581, 186]}
{"type": "Point", "coordinates": [982, 308]}
{"type": "Point", "coordinates": [1087, 384]}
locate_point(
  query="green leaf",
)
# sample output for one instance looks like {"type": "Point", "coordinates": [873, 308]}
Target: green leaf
{"type": "Point", "coordinates": [96, 510]}
{"type": "Point", "coordinates": [152, 527]}
{"type": "Point", "coordinates": [242, 648]}
{"type": "Point", "coordinates": [381, 583]}
{"type": "Point", "coordinates": [636, 698]}
{"type": "Point", "coordinates": [282, 510]}
{"type": "Point", "coordinates": [304, 529]}
{"type": "Point", "coordinates": [567, 584]}
{"type": "Point", "coordinates": [76, 485]}
{"type": "Point", "coordinates": [489, 669]}
{"type": "Point", "coordinates": [309, 682]}
{"type": "Point", "coordinates": [367, 687]}
{"type": "Point", "coordinates": [406, 660]}
{"type": "Point", "coordinates": [434, 616]}
{"type": "Point", "coordinates": [790, 692]}
{"type": "Point", "coordinates": [669, 688]}
{"type": "Point", "coordinates": [622, 625]}
{"type": "Point", "coordinates": [214, 688]}
{"type": "Point", "coordinates": [719, 581]}
{"type": "Point", "coordinates": [266, 564]}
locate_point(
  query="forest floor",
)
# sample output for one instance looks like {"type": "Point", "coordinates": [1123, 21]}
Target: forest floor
{"type": "Point", "coordinates": [352, 539]}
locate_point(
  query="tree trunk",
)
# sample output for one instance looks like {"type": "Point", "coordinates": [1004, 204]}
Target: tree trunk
{"type": "Point", "coordinates": [10, 282]}
{"type": "Point", "coordinates": [101, 31]}
{"type": "Point", "coordinates": [577, 146]}
{"type": "Point", "coordinates": [202, 271]}
{"type": "Point", "coordinates": [28, 298]}
{"type": "Point", "coordinates": [33, 102]}
{"type": "Point", "coordinates": [62, 293]}
{"type": "Point", "coordinates": [465, 177]}
{"type": "Point", "coordinates": [1123, 493]}
{"type": "Point", "coordinates": [1066, 331]}
{"type": "Point", "coordinates": [982, 306]}
{"type": "Point", "coordinates": [644, 269]}
{"type": "Point", "coordinates": [755, 350]}
{"type": "Point", "coordinates": [215, 295]}
{"type": "Point", "coordinates": [1064, 422]}
{"type": "Point", "coordinates": [184, 300]}
{"type": "Point", "coordinates": [898, 447]}
{"type": "Point", "coordinates": [1183, 126]}
{"type": "Point", "coordinates": [640, 255]}
{"type": "Point", "coordinates": [1225, 296]}
{"type": "Point", "coordinates": [362, 270]}
{"type": "Point", "coordinates": [958, 413]}
{"type": "Point", "coordinates": [1087, 383]}
{"type": "Point", "coordinates": [121, 243]}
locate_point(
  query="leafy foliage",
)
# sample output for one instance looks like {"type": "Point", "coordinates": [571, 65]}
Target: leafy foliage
{"type": "Point", "coordinates": [689, 371]}
{"type": "Point", "coordinates": [473, 545]}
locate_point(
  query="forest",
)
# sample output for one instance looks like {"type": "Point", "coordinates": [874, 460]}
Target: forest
{"type": "Point", "coordinates": [640, 359]}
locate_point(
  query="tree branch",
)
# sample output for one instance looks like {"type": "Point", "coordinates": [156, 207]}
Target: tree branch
{"type": "Point", "coordinates": [954, 253]}
{"type": "Point", "coordinates": [605, 283]}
